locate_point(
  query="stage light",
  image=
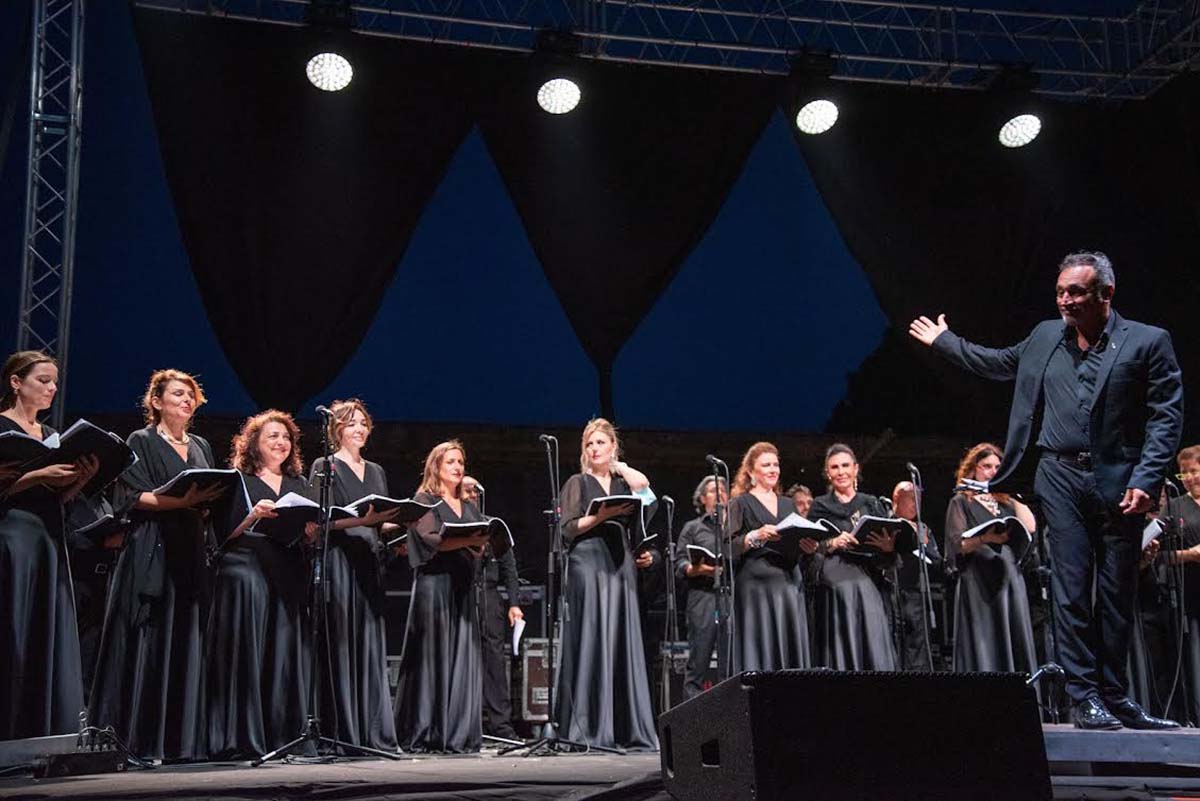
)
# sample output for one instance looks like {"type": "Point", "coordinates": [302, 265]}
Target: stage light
{"type": "Point", "coordinates": [817, 116]}
{"type": "Point", "coordinates": [329, 72]}
{"type": "Point", "coordinates": [558, 96]}
{"type": "Point", "coordinates": [1020, 130]}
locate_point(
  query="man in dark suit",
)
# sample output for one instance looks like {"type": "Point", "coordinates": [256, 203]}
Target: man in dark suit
{"type": "Point", "coordinates": [1109, 397]}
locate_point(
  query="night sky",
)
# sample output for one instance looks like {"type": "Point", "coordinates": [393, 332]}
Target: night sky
{"type": "Point", "coordinates": [758, 330]}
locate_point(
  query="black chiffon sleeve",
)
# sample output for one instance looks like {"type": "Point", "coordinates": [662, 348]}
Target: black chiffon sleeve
{"type": "Point", "coordinates": [425, 535]}
{"type": "Point", "coordinates": [956, 524]}
{"type": "Point", "coordinates": [573, 507]}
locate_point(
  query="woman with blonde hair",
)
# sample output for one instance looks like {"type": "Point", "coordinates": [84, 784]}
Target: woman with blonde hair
{"type": "Point", "coordinates": [768, 602]}
{"type": "Point", "coordinates": [992, 626]}
{"type": "Point", "coordinates": [149, 678]}
{"type": "Point", "coordinates": [438, 698]}
{"type": "Point", "coordinates": [603, 695]}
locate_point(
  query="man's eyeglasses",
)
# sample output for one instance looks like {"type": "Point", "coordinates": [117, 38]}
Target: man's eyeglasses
{"type": "Point", "coordinates": [1186, 474]}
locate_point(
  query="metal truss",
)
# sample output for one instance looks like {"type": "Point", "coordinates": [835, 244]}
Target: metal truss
{"type": "Point", "coordinates": [52, 189]}
{"type": "Point", "coordinates": [876, 41]}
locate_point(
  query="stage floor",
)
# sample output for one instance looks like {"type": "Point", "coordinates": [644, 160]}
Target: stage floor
{"type": "Point", "coordinates": [1084, 765]}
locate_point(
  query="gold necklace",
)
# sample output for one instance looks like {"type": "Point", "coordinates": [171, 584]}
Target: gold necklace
{"type": "Point", "coordinates": [171, 439]}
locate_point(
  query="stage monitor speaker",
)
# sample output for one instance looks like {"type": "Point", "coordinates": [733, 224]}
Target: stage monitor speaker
{"type": "Point", "coordinates": [837, 736]}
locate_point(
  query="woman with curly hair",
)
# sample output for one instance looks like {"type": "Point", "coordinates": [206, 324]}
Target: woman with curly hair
{"type": "Point", "coordinates": [257, 649]}
{"type": "Point", "coordinates": [149, 675]}
{"type": "Point", "coordinates": [992, 627]}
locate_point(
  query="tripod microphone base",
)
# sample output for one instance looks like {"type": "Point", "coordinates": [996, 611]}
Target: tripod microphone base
{"type": "Point", "coordinates": [312, 734]}
{"type": "Point", "coordinates": [1057, 676]}
{"type": "Point", "coordinates": [550, 743]}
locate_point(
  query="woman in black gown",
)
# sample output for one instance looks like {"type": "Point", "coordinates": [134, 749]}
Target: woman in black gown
{"type": "Point", "coordinates": [257, 650]}
{"type": "Point", "coordinates": [602, 695]}
{"type": "Point", "coordinates": [1183, 517]}
{"type": "Point", "coordinates": [149, 674]}
{"type": "Point", "coordinates": [768, 589]}
{"type": "Point", "coordinates": [992, 627]}
{"type": "Point", "coordinates": [438, 697]}
{"type": "Point", "coordinates": [41, 691]}
{"type": "Point", "coordinates": [852, 617]}
{"type": "Point", "coordinates": [356, 706]}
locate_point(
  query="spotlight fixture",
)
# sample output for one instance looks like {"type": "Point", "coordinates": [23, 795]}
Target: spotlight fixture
{"type": "Point", "coordinates": [558, 96]}
{"type": "Point", "coordinates": [817, 116]}
{"type": "Point", "coordinates": [1020, 130]}
{"type": "Point", "coordinates": [329, 72]}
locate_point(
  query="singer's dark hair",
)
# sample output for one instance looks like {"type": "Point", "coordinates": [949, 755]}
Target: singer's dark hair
{"type": "Point", "coordinates": [244, 454]}
{"type": "Point", "coordinates": [1105, 277]}
{"type": "Point", "coordinates": [702, 489]}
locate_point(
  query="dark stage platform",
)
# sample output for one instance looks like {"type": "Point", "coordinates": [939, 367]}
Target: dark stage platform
{"type": "Point", "coordinates": [1084, 765]}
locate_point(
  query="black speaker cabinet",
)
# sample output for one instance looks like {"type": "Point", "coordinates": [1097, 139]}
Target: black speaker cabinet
{"type": "Point", "coordinates": [823, 735]}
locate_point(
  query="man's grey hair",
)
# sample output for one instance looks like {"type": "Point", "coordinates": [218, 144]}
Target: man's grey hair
{"type": "Point", "coordinates": [701, 488]}
{"type": "Point", "coordinates": [1105, 277]}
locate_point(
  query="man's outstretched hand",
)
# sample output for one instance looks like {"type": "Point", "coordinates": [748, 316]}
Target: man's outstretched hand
{"type": "Point", "coordinates": [925, 330]}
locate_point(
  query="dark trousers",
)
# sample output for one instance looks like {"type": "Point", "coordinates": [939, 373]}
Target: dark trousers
{"type": "Point", "coordinates": [497, 694]}
{"type": "Point", "coordinates": [1094, 551]}
{"type": "Point", "coordinates": [702, 639]}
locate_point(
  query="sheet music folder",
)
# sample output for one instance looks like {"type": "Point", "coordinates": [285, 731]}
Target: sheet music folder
{"type": "Point", "coordinates": [633, 524]}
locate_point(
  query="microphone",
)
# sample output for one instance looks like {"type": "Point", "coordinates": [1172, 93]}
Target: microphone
{"type": "Point", "coordinates": [324, 411]}
{"type": "Point", "coordinates": [1172, 488]}
{"type": "Point", "coordinates": [546, 439]}
{"type": "Point", "coordinates": [912, 468]}
{"type": "Point", "coordinates": [714, 460]}
{"type": "Point", "coordinates": [479, 487]}
{"type": "Point", "coordinates": [667, 499]}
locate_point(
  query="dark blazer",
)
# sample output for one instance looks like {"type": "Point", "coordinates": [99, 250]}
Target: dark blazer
{"type": "Point", "coordinates": [1137, 406]}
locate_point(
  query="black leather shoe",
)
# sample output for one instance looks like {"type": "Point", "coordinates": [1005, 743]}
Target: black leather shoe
{"type": "Point", "coordinates": [1134, 717]}
{"type": "Point", "coordinates": [1091, 714]}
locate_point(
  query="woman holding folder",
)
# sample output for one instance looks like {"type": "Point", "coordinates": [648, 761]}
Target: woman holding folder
{"type": "Point", "coordinates": [257, 650]}
{"type": "Point", "coordinates": [852, 617]}
{"type": "Point", "coordinates": [41, 691]}
{"type": "Point", "coordinates": [438, 700]}
{"type": "Point", "coordinates": [356, 706]}
{"type": "Point", "coordinates": [992, 626]}
{"type": "Point", "coordinates": [603, 695]}
{"type": "Point", "coordinates": [768, 603]}
{"type": "Point", "coordinates": [149, 673]}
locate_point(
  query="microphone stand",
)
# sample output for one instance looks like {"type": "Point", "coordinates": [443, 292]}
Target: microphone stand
{"type": "Point", "coordinates": [311, 732]}
{"type": "Point", "coordinates": [549, 741]}
{"type": "Point", "coordinates": [928, 619]}
{"type": "Point", "coordinates": [1050, 669]}
{"type": "Point", "coordinates": [723, 581]}
{"type": "Point", "coordinates": [1173, 541]}
{"type": "Point", "coordinates": [671, 633]}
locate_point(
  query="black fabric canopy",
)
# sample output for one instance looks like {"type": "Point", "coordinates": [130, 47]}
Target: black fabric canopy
{"type": "Point", "coordinates": [296, 205]}
{"type": "Point", "coordinates": [943, 219]}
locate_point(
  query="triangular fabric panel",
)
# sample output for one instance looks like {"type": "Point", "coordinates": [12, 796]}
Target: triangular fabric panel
{"type": "Point", "coordinates": [295, 205]}
{"type": "Point", "coordinates": [615, 194]}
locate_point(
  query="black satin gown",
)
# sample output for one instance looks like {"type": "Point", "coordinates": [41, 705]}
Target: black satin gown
{"type": "Point", "coordinates": [150, 672]}
{"type": "Point", "coordinates": [356, 703]}
{"type": "Point", "coordinates": [1183, 515]}
{"type": "Point", "coordinates": [439, 694]}
{"type": "Point", "coordinates": [602, 694]}
{"type": "Point", "coordinates": [41, 690]}
{"type": "Point", "coordinates": [992, 626]}
{"type": "Point", "coordinates": [257, 649]}
{"type": "Point", "coordinates": [853, 614]}
{"type": "Point", "coordinates": [768, 594]}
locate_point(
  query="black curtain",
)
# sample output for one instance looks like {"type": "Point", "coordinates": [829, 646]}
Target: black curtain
{"type": "Point", "coordinates": [944, 219]}
{"type": "Point", "coordinates": [296, 205]}
{"type": "Point", "coordinates": [617, 193]}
